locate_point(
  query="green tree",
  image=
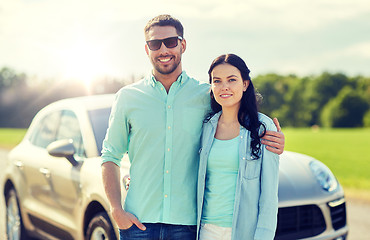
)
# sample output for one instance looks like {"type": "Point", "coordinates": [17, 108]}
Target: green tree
{"type": "Point", "coordinates": [345, 110]}
{"type": "Point", "coordinates": [324, 88]}
{"type": "Point", "coordinates": [366, 119]}
{"type": "Point", "coordinates": [363, 86]}
{"type": "Point", "coordinates": [270, 86]}
{"type": "Point", "coordinates": [285, 97]}
{"type": "Point", "coordinates": [9, 78]}
{"type": "Point", "coordinates": [295, 111]}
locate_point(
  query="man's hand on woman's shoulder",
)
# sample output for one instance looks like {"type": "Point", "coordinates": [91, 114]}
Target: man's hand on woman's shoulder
{"type": "Point", "coordinates": [274, 141]}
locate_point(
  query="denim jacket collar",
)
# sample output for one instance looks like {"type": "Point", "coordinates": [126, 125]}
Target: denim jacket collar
{"type": "Point", "coordinates": [214, 120]}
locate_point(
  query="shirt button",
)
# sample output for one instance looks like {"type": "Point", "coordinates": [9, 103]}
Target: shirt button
{"type": "Point", "coordinates": [241, 136]}
{"type": "Point", "coordinates": [168, 149]}
{"type": "Point", "coordinates": [169, 127]}
{"type": "Point", "coordinates": [169, 106]}
{"type": "Point", "coordinates": [243, 158]}
{"type": "Point", "coordinates": [162, 88]}
{"type": "Point", "coordinates": [167, 171]}
{"type": "Point", "coordinates": [165, 196]}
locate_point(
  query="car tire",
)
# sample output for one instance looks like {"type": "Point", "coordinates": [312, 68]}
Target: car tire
{"type": "Point", "coordinates": [14, 224]}
{"type": "Point", "coordinates": [100, 228]}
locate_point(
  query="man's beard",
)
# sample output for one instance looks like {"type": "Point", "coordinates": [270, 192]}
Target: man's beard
{"type": "Point", "coordinates": [170, 70]}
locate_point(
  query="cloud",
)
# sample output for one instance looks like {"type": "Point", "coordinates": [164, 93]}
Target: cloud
{"type": "Point", "coordinates": [300, 16]}
{"type": "Point", "coordinates": [36, 35]}
{"type": "Point", "coordinates": [361, 49]}
{"type": "Point", "coordinates": [351, 59]}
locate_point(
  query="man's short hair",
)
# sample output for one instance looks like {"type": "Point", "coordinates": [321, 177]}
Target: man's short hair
{"type": "Point", "coordinates": [165, 20]}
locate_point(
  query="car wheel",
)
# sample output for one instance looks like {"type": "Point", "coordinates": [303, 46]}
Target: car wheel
{"type": "Point", "coordinates": [100, 228]}
{"type": "Point", "coordinates": [14, 225]}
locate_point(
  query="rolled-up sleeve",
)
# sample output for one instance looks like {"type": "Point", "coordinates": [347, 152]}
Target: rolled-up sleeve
{"type": "Point", "coordinates": [115, 144]}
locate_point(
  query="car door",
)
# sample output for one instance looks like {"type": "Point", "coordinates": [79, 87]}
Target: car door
{"type": "Point", "coordinates": [51, 185]}
{"type": "Point", "coordinates": [65, 189]}
{"type": "Point", "coordinates": [36, 191]}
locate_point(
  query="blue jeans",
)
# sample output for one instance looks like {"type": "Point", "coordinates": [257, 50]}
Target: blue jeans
{"type": "Point", "coordinates": [159, 231]}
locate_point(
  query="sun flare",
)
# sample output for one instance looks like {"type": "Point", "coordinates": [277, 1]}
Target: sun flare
{"type": "Point", "coordinates": [83, 61]}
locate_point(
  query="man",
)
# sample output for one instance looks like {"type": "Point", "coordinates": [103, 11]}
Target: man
{"type": "Point", "coordinates": [158, 121]}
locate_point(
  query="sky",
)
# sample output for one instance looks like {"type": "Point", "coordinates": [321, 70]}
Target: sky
{"type": "Point", "coordinates": [89, 39]}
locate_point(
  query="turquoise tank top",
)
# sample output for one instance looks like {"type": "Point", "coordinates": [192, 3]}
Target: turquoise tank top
{"type": "Point", "coordinates": [221, 178]}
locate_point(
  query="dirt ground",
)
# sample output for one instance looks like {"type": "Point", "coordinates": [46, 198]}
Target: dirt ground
{"type": "Point", "coordinates": [358, 214]}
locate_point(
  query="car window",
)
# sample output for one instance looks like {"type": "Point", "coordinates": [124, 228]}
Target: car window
{"type": "Point", "coordinates": [69, 128]}
{"type": "Point", "coordinates": [99, 119]}
{"type": "Point", "coordinates": [45, 130]}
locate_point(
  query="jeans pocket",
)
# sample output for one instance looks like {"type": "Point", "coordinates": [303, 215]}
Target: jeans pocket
{"type": "Point", "coordinates": [124, 230]}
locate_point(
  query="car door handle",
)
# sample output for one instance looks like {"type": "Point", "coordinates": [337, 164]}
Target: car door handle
{"type": "Point", "coordinates": [45, 172]}
{"type": "Point", "coordinates": [19, 165]}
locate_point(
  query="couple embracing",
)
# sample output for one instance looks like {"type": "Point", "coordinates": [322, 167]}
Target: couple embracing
{"type": "Point", "coordinates": [204, 161]}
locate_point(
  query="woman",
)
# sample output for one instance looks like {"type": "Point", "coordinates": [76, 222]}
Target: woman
{"type": "Point", "coordinates": [238, 178]}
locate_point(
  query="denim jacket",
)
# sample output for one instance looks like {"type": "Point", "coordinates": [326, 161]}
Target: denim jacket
{"type": "Point", "coordinates": [256, 195]}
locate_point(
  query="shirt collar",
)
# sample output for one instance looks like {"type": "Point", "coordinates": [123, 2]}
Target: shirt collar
{"type": "Point", "coordinates": [183, 78]}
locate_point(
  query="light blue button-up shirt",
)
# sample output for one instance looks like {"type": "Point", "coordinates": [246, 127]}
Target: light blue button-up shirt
{"type": "Point", "coordinates": [161, 133]}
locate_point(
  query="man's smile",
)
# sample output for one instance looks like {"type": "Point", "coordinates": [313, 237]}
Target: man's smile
{"type": "Point", "coordinates": [165, 59]}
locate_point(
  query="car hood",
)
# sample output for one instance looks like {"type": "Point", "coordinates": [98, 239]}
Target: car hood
{"type": "Point", "coordinates": [297, 183]}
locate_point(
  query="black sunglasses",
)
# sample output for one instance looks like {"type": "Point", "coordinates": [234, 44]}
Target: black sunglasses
{"type": "Point", "coordinates": [170, 42]}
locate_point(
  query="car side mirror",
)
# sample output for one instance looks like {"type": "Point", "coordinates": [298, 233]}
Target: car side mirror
{"type": "Point", "coordinates": [63, 148]}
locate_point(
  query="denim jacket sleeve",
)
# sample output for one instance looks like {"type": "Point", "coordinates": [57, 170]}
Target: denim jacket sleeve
{"type": "Point", "coordinates": [202, 173]}
{"type": "Point", "coordinates": [268, 203]}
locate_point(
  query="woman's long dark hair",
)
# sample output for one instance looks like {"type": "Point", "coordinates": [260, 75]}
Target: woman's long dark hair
{"type": "Point", "coordinates": [248, 113]}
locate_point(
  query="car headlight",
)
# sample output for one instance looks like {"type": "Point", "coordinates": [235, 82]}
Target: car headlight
{"type": "Point", "coordinates": [324, 176]}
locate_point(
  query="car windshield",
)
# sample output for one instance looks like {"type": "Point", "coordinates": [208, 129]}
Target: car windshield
{"type": "Point", "coordinates": [99, 119]}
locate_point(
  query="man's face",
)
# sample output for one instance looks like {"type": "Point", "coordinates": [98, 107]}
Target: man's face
{"type": "Point", "coordinates": [165, 60]}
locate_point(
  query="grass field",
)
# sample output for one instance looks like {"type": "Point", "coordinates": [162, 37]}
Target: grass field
{"type": "Point", "coordinates": [9, 137]}
{"type": "Point", "coordinates": [345, 151]}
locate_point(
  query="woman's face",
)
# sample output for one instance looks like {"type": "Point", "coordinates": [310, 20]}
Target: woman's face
{"type": "Point", "coordinates": [227, 85]}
